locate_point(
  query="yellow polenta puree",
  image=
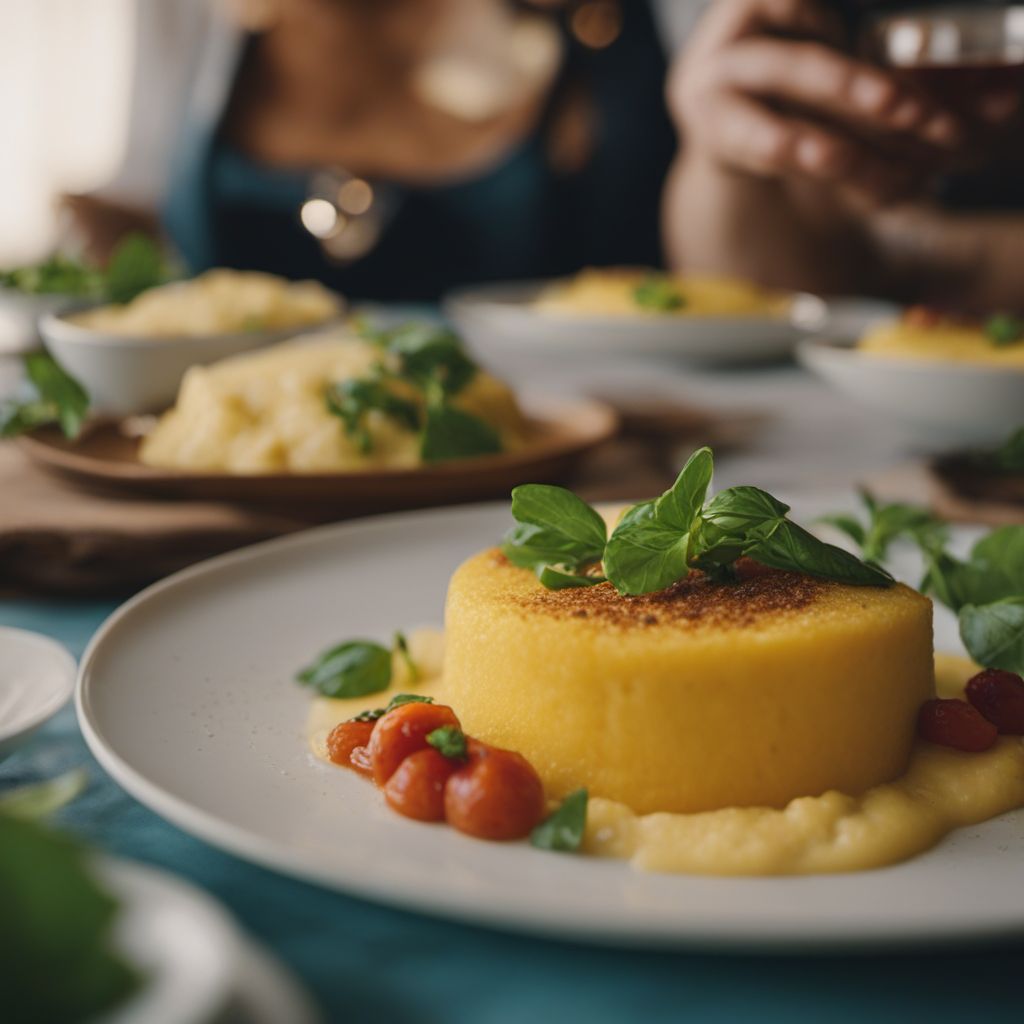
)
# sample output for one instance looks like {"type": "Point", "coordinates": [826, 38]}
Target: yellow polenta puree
{"type": "Point", "coordinates": [941, 790]}
{"type": "Point", "coordinates": [945, 341]}
{"type": "Point", "coordinates": [265, 412]}
{"type": "Point", "coordinates": [600, 292]}
{"type": "Point", "coordinates": [701, 696]}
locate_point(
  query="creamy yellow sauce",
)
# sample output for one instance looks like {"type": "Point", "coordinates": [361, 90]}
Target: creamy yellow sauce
{"type": "Point", "coordinates": [265, 412]}
{"type": "Point", "coordinates": [595, 292]}
{"type": "Point", "coordinates": [942, 790]}
{"type": "Point", "coordinates": [217, 302]}
{"type": "Point", "coordinates": [942, 342]}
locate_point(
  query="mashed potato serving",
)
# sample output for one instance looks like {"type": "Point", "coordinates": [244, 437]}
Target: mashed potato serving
{"type": "Point", "coordinates": [217, 302]}
{"type": "Point", "coordinates": [927, 335]}
{"type": "Point", "coordinates": [269, 412]}
{"type": "Point", "coordinates": [631, 292]}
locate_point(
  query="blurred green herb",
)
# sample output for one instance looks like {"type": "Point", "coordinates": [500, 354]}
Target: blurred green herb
{"type": "Point", "coordinates": [55, 931]}
{"type": "Point", "coordinates": [40, 799]}
{"type": "Point", "coordinates": [563, 831]}
{"type": "Point", "coordinates": [1004, 329]}
{"type": "Point", "coordinates": [396, 702]}
{"type": "Point", "coordinates": [58, 398]}
{"type": "Point", "coordinates": [355, 668]}
{"type": "Point", "coordinates": [57, 275]}
{"type": "Point", "coordinates": [659, 293]}
{"type": "Point", "coordinates": [887, 523]}
{"type": "Point", "coordinates": [1010, 457]}
{"type": "Point", "coordinates": [352, 400]}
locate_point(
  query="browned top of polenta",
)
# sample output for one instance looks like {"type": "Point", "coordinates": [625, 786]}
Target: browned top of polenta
{"type": "Point", "coordinates": [691, 600]}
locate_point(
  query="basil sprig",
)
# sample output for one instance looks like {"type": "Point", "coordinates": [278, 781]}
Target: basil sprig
{"type": "Point", "coordinates": [563, 831]}
{"type": "Point", "coordinates": [432, 361]}
{"type": "Point", "coordinates": [396, 702]}
{"type": "Point", "coordinates": [658, 542]}
{"type": "Point", "coordinates": [557, 535]}
{"type": "Point", "coordinates": [449, 741]}
{"type": "Point", "coordinates": [1004, 329]}
{"type": "Point", "coordinates": [58, 398]}
{"type": "Point", "coordinates": [355, 668]}
{"type": "Point", "coordinates": [658, 293]}
{"type": "Point", "coordinates": [887, 523]}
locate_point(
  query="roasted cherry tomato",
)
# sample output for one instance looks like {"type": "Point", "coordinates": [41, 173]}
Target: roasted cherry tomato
{"type": "Point", "coordinates": [999, 696]}
{"type": "Point", "coordinates": [496, 794]}
{"type": "Point", "coordinates": [346, 740]}
{"type": "Point", "coordinates": [416, 789]}
{"type": "Point", "coordinates": [954, 723]}
{"type": "Point", "coordinates": [402, 732]}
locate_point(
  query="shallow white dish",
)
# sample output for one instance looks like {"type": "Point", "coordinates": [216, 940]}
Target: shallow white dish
{"type": "Point", "coordinates": [37, 677]}
{"type": "Point", "coordinates": [126, 375]}
{"type": "Point", "coordinates": [938, 405]}
{"type": "Point", "coordinates": [501, 324]}
{"type": "Point", "coordinates": [186, 697]}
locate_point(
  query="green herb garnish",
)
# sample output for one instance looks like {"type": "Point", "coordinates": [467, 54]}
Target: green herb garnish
{"type": "Point", "coordinates": [557, 533]}
{"type": "Point", "coordinates": [659, 293]}
{"type": "Point", "coordinates": [59, 398]}
{"type": "Point", "coordinates": [887, 523]}
{"type": "Point", "coordinates": [57, 275]}
{"type": "Point", "coordinates": [55, 930]}
{"type": "Point", "coordinates": [427, 354]}
{"type": "Point", "coordinates": [451, 433]}
{"type": "Point", "coordinates": [40, 799]}
{"type": "Point", "coordinates": [563, 830]}
{"type": "Point", "coordinates": [994, 633]}
{"type": "Point", "coordinates": [355, 668]}
{"type": "Point", "coordinates": [1004, 329]}
{"type": "Point", "coordinates": [136, 265]}
{"type": "Point", "coordinates": [352, 400]}
{"type": "Point", "coordinates": [397, 701]}
{"type": "Point", "coordinates": [449, 741]}
{"type": "Point", "coordinates": [1010, 458]}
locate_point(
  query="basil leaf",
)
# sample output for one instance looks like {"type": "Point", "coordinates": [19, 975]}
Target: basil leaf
{"type": "Point", "coordinates": [555, 578]}
{"type": "Point", "coordinates": [58, 388]}
{"type": "Point", "coordinates": [449, 741]}
{"type": "Point", "coordinates": [994, 571]}
{"type": "Point", "coordinates": [563, 831]}
{"type": "Point", "coordinates": [1010, 458]}
{"type": "Point", "coordinates": [744, 511]}
{"type": "Point", "coordinates": [658, 293]}
{"type": "Point", "coordinates": [135, 266]}
{"type": "Point", "coordinates": [396, 702]}
{"type": "Point", "coordinates": [847, 524]}
{"type": "Point", "coordinates": [994, 633]}
{"type": "Point", "coordinates": [60, 962]}
{"type": "Point", "coordinates": [351, 400]}
{"type": "Point", "coordinates": [352, 669]}
{"type": "Point", "coordinates": [20, 418]}
{"type": "Point", "coordinates": [643, 555]}
{"type": "Point", "coordinates": [1004, 329]}
{"type": "Point", "coordinates": [40, 799]}
{"type": "Point", "coordinates": [791, 547]}
{"type": "Point", "coordinates": [680, 505]}
{"type": "Point", "coordinates": [450, 433]}
{"type": "Point", "coordinates": [427, 353]}
{"type": "Point", "coordinates": [555, 526]}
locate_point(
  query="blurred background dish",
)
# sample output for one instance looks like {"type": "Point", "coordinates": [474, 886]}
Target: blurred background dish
{"type": "Point", "coordinates": [37, 677]}
{"type": "Point", "coordinates": [506, 324]}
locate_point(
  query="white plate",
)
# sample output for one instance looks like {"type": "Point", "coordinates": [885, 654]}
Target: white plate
{"type": "Point", "coordinates": [938, 405]}
{"type": "Point", "coordinates": [196, 965]}
{"type": "Point", "coordinates": [186, 697]}
{"type": "Point", "coordinates": [502, 325]}
{"type": "Point", "coordinates": [37, 676]}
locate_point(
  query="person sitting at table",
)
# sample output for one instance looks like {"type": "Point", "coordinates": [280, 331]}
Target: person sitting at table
{"type": "Point", "coordinates": [806, 168]}
{"type": "Point", "coordinates": [396, 150]}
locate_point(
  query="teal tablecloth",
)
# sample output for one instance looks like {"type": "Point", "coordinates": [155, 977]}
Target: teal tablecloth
{"type": "Point", "coordinates": [365, 963]}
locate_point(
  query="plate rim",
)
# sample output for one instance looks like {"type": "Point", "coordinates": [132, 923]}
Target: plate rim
{"type": "Point", "coordinates": [47, 709]}
{"type": "Point", "coordinates": [710, 933]}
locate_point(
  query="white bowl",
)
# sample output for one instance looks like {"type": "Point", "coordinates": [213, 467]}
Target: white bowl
{"type": "Point", "coordinates": [126, 375]}
{"type": "Point", "coordinates": [501, 322]}
{"type": "Point", "coordinates": [939, 405]}
{"type": "Point", "coordinates": [19, 317]}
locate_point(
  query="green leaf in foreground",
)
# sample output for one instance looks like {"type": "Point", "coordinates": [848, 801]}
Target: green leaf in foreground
{"type": "Point", "coordinates": [450, 433]}
{"type": "Point", "coordinates": [449, 741]}
{"type": "Point", "coordinates": [554, 527]}
{"type": "Point", "coordinates": [40, 799]}
{"type": "Point", "coordinates": [994, 633]}
{"type": "Point", "coordinates": [659, 293]}
{"type": "Point", "coordinates": [55, 930]}
{"type": "Point", "coordinates": [563, 831]}
{"type": "Point", "coordinates": [353, 669]}
{"type": "Point", "coordinates": [396, 702]}
{"type": "Point", "coordinates": [554, 578]}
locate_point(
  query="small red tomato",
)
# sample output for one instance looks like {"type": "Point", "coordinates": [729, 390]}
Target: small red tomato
{"type": "Point", "coordinates": [495, 795]}
{"type": "Point", "coordinates": [416, 789]}
{"type": "Point", "coordinates": [999, 696]}
{"type": "Point", "coordinates": [347, 738]}
{"type": "Point", "coordinates": [954, 723]}
{"type": "Point", "coordinates": [402, 732]}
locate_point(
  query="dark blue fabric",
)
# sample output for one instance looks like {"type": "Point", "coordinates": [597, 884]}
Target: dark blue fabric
{"type": "Point", "coordinates": [519, 219]}
{"type": "Point", "coordinates": [365, 963]}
